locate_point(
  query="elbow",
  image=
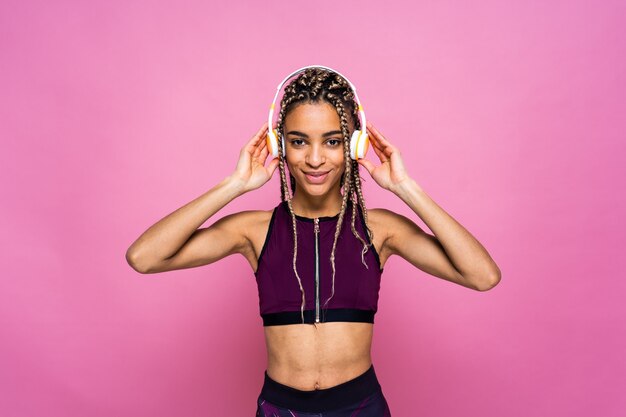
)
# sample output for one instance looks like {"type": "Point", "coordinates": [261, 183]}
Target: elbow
{"type": "Point", "coordinates": [135, 262]}
{"type": "Point", "coordinates": [487, 287]}
{"type": "Point", "coordinates": [490, 282]}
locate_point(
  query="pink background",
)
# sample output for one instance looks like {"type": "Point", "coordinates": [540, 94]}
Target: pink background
{"type": "Point", "coordinates": [113, 114]}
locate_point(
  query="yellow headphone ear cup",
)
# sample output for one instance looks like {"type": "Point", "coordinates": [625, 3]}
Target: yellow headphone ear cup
{"type": "Point", "coordinates": [356, 143]}
{"type": "Point", "coordinates": [272, 143]}
{"type": "Point", "coordinates": [268, 142]}
{"type": "Point", "coordinates": [359, 144]}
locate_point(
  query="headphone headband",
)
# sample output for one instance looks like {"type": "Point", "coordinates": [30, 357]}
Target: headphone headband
{"type": "Point", "coordinates": [359, 148]}
{"type": "Point", "coordinates": [314, 66]}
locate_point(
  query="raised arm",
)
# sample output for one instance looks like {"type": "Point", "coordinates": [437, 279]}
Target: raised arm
{"type": "Point", "coordinates": [452, 253]}
{"type": "Point", "coordinates": [175, 242]}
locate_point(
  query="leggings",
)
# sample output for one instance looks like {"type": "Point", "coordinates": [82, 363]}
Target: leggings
{"type": "Point", "coordinates": [359, 397]}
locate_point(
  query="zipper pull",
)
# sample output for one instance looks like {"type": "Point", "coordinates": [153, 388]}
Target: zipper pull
{"type": "Point", "coordinates": [316, 228]}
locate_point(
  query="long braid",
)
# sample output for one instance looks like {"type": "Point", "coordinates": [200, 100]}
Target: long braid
{"type": "Point", "coordinates": [356, 179]}
{"type": "Point", "coordinates": [359, 191]}
{"type": "Point", "coordinates": [355, 233]}
{"type": "Point", "coordinates": [357, 186]}
{"type": "Point", "coordinates": [286, 195]}
{"type": "Point", "coordinates": [347, 186]}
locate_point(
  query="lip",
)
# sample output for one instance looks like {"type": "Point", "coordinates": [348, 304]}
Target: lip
{"type": "Point", "coordinates": [316, 177]}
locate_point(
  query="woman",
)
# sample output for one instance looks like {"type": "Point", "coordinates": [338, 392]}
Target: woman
{"type": "Point", "coordinates": [318, 274]}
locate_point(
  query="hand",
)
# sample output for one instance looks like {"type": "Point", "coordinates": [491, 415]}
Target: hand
{"type": "Point", "coordinates": [390, 174]}
{"type": "Point", "coordinates": [251, 172]}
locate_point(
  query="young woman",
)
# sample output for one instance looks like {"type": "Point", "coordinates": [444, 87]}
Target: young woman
{"type": "Point", "coordinates": [318, 272]}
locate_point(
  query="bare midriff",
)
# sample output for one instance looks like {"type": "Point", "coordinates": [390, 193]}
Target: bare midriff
{"type": "Point", "coordinates": [309, 357]}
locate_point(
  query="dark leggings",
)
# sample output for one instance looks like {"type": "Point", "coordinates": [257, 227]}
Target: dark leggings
{"type": "Point", "coordinates": [359, 397]}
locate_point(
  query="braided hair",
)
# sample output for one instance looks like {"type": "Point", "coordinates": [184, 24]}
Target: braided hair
{"type": "Point", "coordinates": [316, 85]}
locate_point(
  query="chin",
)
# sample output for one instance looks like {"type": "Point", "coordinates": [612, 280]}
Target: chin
{"type": "Point", "coordinates": [325, 187]}
{"type": "Point", "coordinates": [317, 189]}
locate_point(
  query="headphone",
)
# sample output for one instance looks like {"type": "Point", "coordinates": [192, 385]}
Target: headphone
{"type": "Point", "coordinates": [359, 142]}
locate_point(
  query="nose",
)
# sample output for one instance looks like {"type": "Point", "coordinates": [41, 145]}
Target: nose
{"type": "Point", "coordinates": [315, 157]}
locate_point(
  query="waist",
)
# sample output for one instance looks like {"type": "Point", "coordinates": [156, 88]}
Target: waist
{"type": "Point", "coordinates": [318, 400]}
{"type": "Point", "coordinates": [300, 353]}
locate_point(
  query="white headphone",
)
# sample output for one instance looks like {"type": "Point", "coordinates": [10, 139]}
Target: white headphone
{"type": "Point", "coordinates": [359, 142]}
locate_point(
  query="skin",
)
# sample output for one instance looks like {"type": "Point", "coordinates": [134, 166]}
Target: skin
{"type": "Point", "coordinates": [311, 150]}
{"type": "Point", "coordinates": [306, 356]}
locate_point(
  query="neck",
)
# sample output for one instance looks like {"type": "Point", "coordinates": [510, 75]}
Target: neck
{"type": "Point", "coordinates": [316, 206]}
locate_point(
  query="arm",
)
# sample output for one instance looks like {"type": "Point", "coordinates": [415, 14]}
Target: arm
{"type": "Point", "coordinates": [159, 248]}
{"type": "Point", "coordinates": [175, 241]}
{"type": "Point", "coordinates": [452, 253]}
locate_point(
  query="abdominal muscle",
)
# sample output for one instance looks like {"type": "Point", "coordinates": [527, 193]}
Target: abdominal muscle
{"type": "Point", "coordinates": [318, 356]}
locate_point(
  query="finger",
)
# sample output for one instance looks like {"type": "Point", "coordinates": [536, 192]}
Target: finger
{"type": "Point", "coordinates": [263, 154]}
{"type": "Point", "coordinates": [272, 166]}
{"type": "Point", "coordinates": [371, 127]}
{"type": "Point", "coordinates": [379, 152]}
{"type": "Point", "coordinates": [262, 130]}
{"type": "Point", "coordinates": [367, 164]}
{"type": "Point", "coordinates": [258, 135]}
{"type": "Point", "coordinates": [254, 148]}
{"type": "Point", "coordinates": [258, 148]}
{"type": "Point", "coordinates": [378, 135]}
{"type": "Point", "coordinates": [383, 145]}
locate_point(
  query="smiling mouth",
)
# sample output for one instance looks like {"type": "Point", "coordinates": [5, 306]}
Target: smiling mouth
{"type": "Point", "coordinates": [316, 178]}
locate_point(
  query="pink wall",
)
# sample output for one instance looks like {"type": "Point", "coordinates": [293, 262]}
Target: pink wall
{"type": "Point", "coordinates": [113, 114]}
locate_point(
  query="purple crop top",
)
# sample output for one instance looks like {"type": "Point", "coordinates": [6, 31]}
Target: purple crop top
{"type": "Point", "coordinates": [356, 287]}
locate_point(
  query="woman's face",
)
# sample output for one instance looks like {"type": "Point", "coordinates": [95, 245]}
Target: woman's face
{"type": "Point", "coordinates": [314, 147]}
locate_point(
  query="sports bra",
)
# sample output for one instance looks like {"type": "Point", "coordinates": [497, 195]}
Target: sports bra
{"type": "Point", "coordinates": [356, 287]}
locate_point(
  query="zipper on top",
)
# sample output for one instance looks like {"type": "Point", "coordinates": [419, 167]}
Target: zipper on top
{"type": "Point", "coordinates": [316, 229]}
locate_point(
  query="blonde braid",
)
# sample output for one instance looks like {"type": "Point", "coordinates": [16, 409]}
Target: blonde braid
{"type": "Point", "coordinates": [286, 195]}
{"type": "Point", "coordinates": [357, 185]}
{"type": "Point", "coordinates": [347, 186]}
{"type": "Point", "coordinates": [355, 233]}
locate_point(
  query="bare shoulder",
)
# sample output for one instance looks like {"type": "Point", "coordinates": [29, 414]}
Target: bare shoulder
{"type": "Point", "coordinates": [253, 225]}
{"type": "Point", "coordinates": [378, 222]}
{"type": "Point", "coordinates": [248, 225]}
{"type": "Point", "coordinates": [387, 225]}
{"type": "Point", "coordinates": [383, 221]}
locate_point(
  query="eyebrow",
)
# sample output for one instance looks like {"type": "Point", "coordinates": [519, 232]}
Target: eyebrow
{"type": "Point", "coordinates": [304, 135]}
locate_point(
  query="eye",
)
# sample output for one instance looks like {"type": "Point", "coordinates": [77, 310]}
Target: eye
{"type": "Point", "coordinates": [334, 142]}
{"type": "Point", "coordinates": [294, 142]}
